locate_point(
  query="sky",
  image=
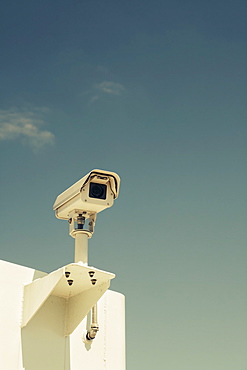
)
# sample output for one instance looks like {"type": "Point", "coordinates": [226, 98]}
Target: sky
{"type": "Point", "coordinates": [156, 92]}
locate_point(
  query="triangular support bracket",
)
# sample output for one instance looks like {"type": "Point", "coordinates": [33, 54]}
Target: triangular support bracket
{"type": "Point", "coordinates": [79, 286]}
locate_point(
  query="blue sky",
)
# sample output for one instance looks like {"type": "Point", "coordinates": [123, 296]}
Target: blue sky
{"type": "Point", "coordinates": [155, 91]}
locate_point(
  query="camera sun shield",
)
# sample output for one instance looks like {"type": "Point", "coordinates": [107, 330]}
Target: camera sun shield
{"type": "Point", "coordinates": [92, 193]}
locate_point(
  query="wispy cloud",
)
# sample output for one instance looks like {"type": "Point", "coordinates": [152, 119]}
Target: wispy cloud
{"type": "Point", "coordinates": [25, 125]}
{"type": "Point", "coordinates": [110, 87]}
{"type": "Point", "coordinates": [104, 88]}
{"type": "Point", "coordinates": [94, 99]}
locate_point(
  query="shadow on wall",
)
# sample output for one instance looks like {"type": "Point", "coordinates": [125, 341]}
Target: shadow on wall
{"type": "Point", "coordinates": [44, 345]}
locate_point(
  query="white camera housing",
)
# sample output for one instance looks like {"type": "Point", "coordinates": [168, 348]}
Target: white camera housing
{"type": "Point", "coordinates": [92, 194]}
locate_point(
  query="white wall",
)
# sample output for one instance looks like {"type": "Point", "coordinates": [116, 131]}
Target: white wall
{"type": "Point", "coordinates": [41, 345]}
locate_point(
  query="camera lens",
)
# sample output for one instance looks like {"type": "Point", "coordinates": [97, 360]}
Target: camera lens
{"type": "Point", "coordinates": [97, 190]}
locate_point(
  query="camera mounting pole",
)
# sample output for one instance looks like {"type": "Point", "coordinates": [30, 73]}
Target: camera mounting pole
{"type": "Point", "coordinates": [77, 221]}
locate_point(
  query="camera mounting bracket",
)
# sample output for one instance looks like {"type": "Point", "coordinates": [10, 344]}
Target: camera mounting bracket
{"type": "Point", "coordinates": [77, 288]}
{"type": "Point", "coordinates": [77, 220]}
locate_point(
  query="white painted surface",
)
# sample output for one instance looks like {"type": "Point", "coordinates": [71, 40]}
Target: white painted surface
{"type": "Point", "coordinates": [41, 344]}
{"type": "Point", "coordinates": [78, 297]}
{"type": "Point", "coordinates": [107, 351]}
{"type": "Point", "coordinates": [81, 246]}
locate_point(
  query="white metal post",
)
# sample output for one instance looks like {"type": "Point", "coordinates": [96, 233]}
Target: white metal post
{"type": "Point", "coordinates": [81, 246]}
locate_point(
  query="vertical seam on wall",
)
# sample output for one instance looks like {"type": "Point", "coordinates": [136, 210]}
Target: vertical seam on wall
{"type": "Point", "coordinates": [105, 331]}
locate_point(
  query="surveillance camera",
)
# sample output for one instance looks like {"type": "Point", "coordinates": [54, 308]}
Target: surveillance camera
{"type": "Point", "coordinates": [92, 194]}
